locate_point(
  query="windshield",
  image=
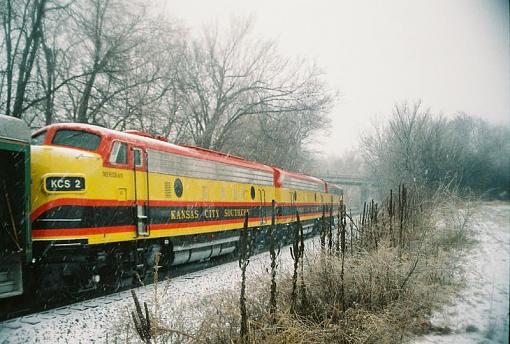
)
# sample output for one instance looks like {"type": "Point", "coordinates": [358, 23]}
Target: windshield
{"type": "Point", "coordinates": [77, 138]}
{"type": "Point", "coordinates": [38, 139]}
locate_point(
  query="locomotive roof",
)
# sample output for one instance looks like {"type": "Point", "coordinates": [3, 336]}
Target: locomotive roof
{"type": "Point", "coordinates": [334, 186]}
{"type": "Point", "coordinates": [14, 129]}
{"type": "Point", "coordinates": [300, 176]}
{"type": "Point", "coordinates": [152, 143]}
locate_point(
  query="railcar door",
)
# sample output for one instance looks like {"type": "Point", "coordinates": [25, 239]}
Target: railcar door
{"type": "Point", "coordinates": [292, 196]}
{"type": "Point", "coordinates": [141, 191]}
{"type": "Point", "coordinates": [262, 199]}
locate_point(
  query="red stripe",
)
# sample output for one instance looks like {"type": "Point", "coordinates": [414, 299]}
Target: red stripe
{"type": "Point", "coordinates": [39, 233]}
{"type": "Point", "coordinates": [77, 201]}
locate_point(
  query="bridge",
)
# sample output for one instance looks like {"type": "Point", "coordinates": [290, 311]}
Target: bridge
{"type": "Point", "coordinates": [360, 183]}
{"type": "Point", "coordinates": [347, 180]}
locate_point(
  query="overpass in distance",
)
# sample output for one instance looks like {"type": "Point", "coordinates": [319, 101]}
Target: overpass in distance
{"type": "Point", "coordinates": [363, 185]}
{"type": "Point", "coordinates": [347, 180]}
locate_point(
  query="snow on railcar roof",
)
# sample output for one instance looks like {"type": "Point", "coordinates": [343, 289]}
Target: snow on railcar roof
{"type": "Point", "coordinates": [14, 129]}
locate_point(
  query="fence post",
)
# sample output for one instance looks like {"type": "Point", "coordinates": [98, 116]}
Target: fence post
{"type": "Point", "coordinates": [273, 254]}
{"type": "Point", "coordinates": [245, 250]}
{"type": "Point", "coordinates": [323, 229]}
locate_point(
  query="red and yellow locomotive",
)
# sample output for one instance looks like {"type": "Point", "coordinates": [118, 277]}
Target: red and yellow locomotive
{"type": "Point", "coordinates": [105, 202]}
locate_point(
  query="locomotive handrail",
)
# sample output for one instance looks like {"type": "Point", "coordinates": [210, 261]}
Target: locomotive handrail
{"type": "Point", "coordinates": [135, 198]}
{"type": "Point", "coordinates": [148, 228]}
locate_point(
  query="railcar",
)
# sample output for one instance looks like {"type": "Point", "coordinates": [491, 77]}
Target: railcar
{"type": "Point", "coordinates": [336, 194]}
{"type": "Point", "coordinates": [105, 203]}
{"type": "Point", "coordinates": [297, 193]}
{"type": "Point", "coordinates": [15, 236]}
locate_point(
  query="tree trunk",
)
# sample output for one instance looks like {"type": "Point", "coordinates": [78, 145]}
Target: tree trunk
{"type": "Point", "coordinates": [28, 58]}
{"type": "Point", "coordinates": [85, 97]}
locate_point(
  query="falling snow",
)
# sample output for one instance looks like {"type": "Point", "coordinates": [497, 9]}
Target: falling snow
{"type": "Point", "coordinates": [478, 315]}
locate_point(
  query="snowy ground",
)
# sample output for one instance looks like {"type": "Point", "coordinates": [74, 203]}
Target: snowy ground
{"type": "Point", "coordinates": [99, 320]}
{"type": "Point", "coordinates": [479, 315]}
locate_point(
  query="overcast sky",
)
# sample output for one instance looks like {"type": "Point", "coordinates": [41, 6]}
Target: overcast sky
{"type": "Point", "coordinates": [451, 54]}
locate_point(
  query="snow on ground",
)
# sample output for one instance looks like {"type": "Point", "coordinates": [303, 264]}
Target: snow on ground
{"type": "Point", "coordinates": [480, 314]}
{"type": "Point", "coordinates": [97, 321]}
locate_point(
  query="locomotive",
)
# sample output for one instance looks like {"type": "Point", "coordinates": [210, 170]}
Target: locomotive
{"type": "Point", "coordinates": [95, 206]}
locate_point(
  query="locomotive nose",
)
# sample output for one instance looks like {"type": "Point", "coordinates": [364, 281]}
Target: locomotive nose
{"type": "Point", "coordinates": [60, 173]}
{"type": "Point", "coordinates": [60, 170]}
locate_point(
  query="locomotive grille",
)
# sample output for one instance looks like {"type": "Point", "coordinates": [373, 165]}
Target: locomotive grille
{"type": "Point", "coordinates": [168, 189]}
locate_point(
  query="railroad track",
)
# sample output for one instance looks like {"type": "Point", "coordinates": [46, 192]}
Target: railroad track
{"type": "Point", "coordinates": [22, 314]}
{"type": "Point", "coordinates": [12, 315]}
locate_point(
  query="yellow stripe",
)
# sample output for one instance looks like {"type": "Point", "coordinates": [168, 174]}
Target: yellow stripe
{"type": "Point", "coordinates": [103, 183]}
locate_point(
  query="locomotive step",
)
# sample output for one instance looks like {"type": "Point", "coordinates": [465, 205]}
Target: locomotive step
{"type": "Point", "coordinates": [4, 275]}
{"type": "Point", "coordinates": [7, 287]}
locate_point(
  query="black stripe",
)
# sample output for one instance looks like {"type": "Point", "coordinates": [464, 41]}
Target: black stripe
{"type": "Point", "coordinates": [109, 216]}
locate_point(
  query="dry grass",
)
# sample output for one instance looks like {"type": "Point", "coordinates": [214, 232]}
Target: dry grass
{"type": "Point", "coordinates": [388, 292]}
{"type": "Point", "coordinates": [378, 309]}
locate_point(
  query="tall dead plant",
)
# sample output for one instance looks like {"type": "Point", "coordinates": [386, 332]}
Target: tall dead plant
{"type": "Point", "coordinates": [245, 251]}
{"type": "Point", "coordinates": [274, 251]}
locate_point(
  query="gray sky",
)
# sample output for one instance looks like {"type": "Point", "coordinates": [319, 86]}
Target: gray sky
{"type": "Point", "coordinates": [453, 55]}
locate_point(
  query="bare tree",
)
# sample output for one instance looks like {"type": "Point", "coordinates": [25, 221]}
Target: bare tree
{"type": "Point", "coordinates": [227, 77]}
{"type": "Point", "coordinates": [393, 152]}
{"type": "Point", "coordinates": [426, 151]}
{"type": "Point", "coordinates": [153, 106]}
{"type": "Point", "coordinates": [22, 24]}
{"type": "Point", "coordinates": [105, 35]}
{"type": "Point", "coordinates": [280, 140]}
{"type": "Point", "coordinates": [47, 71]}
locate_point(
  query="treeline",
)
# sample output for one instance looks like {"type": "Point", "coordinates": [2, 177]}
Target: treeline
{"type": "Point", "coordinates": [429, 151]}
{"type": "Point", "coordinates": [110, 63]}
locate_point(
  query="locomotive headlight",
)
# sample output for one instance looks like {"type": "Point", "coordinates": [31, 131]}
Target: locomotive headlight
{"type": "Point", "coordinates": [56, 183]}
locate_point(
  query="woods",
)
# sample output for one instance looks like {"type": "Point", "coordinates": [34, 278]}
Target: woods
{"type": "Point", "coordinates": [110, 63]}
{"type": "Point", "coordinates": [431, 153]}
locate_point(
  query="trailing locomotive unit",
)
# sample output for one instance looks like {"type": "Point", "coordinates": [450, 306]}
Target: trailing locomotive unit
{"type": "Point", "coordinates": [15, 238]}
{"type": "Point", "coordinates": [105, 202]}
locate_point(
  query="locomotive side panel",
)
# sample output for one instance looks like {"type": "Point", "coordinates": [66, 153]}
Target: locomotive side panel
{"type": "Point", "coordinates": [300, 193]}
{"type": "Point", "coordinates": [178, 195]}
{"type": "Point", "coordinates": [192, 196]}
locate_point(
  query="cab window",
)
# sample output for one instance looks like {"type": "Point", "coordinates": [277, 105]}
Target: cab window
{"type": "Point", "coordinates": [137, 156]}
{"type": "Point", "coordinates": [118, 154]}
{"type": "Point", "coordinates": [38, 139]}
{"type": "Point", "coordinates": [77, 138]}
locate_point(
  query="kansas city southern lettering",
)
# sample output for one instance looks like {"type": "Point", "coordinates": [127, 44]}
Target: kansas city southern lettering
{"type": "Point", "coordinates": [212, 214]}
{"type": "Point", "coordinates": [184, 214]}
{"type": "Point", "coordinates": [235, 212]}
{"type": "Point", "coordinates": [207, 214]}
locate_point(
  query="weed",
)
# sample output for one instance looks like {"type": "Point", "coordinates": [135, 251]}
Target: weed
{"type": "Point", "coordinates": [397, 270]}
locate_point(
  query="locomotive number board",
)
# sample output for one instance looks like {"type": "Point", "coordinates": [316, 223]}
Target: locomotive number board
{"type": "Point", "coordinates": [53, 184]}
